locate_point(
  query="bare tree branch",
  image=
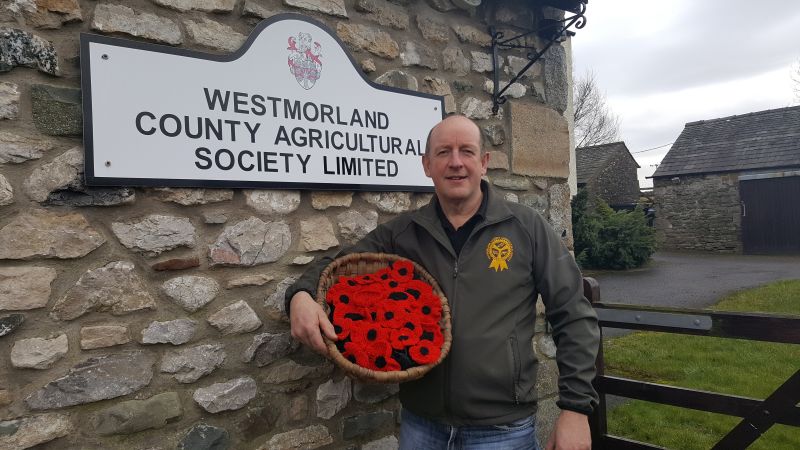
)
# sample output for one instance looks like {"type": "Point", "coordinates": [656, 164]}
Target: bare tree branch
{"type": "Point", "coordinates": [795, 75]}
{"type": "Point", "coordinates": [594, 122]}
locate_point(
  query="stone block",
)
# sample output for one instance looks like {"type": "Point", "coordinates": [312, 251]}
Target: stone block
{"type": "Point", "coordinates": [102, 336]}
{"type": "Point", "coordinates": [155, 234]}
{"type": "Point", "coordinates": [322, 200]}
{"type": "Point", "coordinates": [269, 347]}
{"type": "Point", "coordinates": [191, 292]}
{"type": "Point", "coordinates": [138, 415]}
{"type": "Point", "coordinates": [385, 13]}
{"type": "Point", "coordinates": [540, 141]}
{"type": "Point", "coordinates": [317, 234]}
{"type": "Point", "coordinates": [191, 364]}
{"type": "Point", "coordinates": [42, 234]}
{"type": "Point", "coordinates": [432, 29]}
{"type": "Point", "coordinates": [214, 35]}
{"type": "Point", "coordinates": [9, 103]}
{"type": "Point", "coordinates": [468, 34]}
{"type": "Point", "coordinates": [38, 353]}
{"type": "Point", "coordinates": [175, 332]}
{"type": "Point", "coordinates": [362, 37]}
{"type": "Point", "coordinates": [191, 197]}
{"type": "Point", "coordinates": [23, 288]}
{"type": "Point", "coordinates": [335, 8]}
{"type": "Point", "coordinates": [454, 61]}
{"type": "Point", "coordinates": [354, 225]}
{"type": "Point", "coordinates": [314, 436]}
{"type": "Point", "coordinates": [110, 18]}
{"type": "Point", "coordinates": [96, 379]}
{"type": "Point", "coordinates": [10, 324]}
{"type": "Point", "coordinates": [399, 79]}
{"type": "Point", "coordinates": [15, 148]}
{"type": "Point", "coordinates": [439, 86]}
{"type": "Point", "coordinates": [27, 432]}
{"type": "Point", "coordinates": [57, 110]}
{"type": "Point", "coordinates": [215, 6]}
{"type": "Point", "coordinates": [415, 54]}
{"type": "Point", "coordinates": [236, 318]}
{"type": "Point", "coordinates": [273, 201]}
{"type": "Point", "coordinates": [63, 171]}
{"type": "Point", "coordinates": [332, 397]}
{"type": "Point", "coordinates": [115, 287]}
{"type": "Point", "coordinates": [21, 48]}
{"type": "Point", "coordinates": [227, 396]}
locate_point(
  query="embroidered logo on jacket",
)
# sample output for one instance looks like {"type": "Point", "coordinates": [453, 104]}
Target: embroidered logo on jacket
{"type": "Point", "coordinates": [499, 251]}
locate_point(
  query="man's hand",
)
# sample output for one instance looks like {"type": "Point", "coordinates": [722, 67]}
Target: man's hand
{"type": "Point", "coordinates": [571, 432]}
{"type": "Point", "coordinates": [309, 321]}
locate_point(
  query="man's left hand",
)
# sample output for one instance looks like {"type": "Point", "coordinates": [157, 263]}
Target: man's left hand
{"type": "Point", "coordinates": [571, 432]}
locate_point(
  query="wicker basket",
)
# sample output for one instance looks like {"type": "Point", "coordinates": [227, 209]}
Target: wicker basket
{"type": "Point", "coordinates": [364, 263]}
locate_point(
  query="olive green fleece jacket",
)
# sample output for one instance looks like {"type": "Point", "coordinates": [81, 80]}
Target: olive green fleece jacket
{"type": "Point", "coordinates": [489, 377]}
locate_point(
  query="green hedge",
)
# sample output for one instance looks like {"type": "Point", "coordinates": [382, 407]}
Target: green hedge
{"type": "Point", "coordinates": [608, 239]}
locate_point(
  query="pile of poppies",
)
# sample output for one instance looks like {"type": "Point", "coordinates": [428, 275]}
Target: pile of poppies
{"type": "Point", "coordinates": [386, 320]}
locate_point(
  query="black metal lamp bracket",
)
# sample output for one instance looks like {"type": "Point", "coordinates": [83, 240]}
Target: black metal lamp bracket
{"type": "Point", "coordinates": [551, 30]}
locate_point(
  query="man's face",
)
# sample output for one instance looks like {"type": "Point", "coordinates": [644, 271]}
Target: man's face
{"type": "Point", "coordinates": [454, 161]}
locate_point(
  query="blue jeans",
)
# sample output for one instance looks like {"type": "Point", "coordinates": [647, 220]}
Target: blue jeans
{"type": "Point", "coordinates": [418, 433]}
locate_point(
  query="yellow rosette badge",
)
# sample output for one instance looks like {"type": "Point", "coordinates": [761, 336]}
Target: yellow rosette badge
{"type": "Point", "coordinates": [499, 251]}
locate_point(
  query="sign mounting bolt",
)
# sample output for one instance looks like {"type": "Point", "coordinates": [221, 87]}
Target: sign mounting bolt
{"type": "Point", "coordinates": [108, 163]}
{"type": "Point", "coordinates": [104, 56]}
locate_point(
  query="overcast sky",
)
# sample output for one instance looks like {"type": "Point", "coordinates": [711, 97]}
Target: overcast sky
{"type": "Point", "coordinates": [662, 64]}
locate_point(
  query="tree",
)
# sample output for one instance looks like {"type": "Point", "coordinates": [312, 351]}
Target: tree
{"type": "Point", "coordinates": [608, 239]}
{"type": "Point", "coordinates": [796, 80]}
{"type": "Point", "coordinates": [594, 122]}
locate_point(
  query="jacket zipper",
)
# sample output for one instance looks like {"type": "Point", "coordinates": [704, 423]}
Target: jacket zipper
{"type": "Point", "coordinates": [452, 317]}
{"type": "Point", "coordinates": [512, 348]}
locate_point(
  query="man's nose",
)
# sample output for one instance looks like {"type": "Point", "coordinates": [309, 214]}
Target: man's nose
{"type": "Point", "coordinates": [455, 160]}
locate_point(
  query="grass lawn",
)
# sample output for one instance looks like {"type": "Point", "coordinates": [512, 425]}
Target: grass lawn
{"type": "Point", "coordinates": [746, 368]}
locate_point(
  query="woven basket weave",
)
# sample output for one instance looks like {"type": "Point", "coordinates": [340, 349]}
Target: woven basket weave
{"type": "Point", "coordinates": [364, 263]}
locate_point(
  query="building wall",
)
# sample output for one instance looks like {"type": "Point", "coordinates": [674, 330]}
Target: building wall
{"type": "Point", "coordinates": [121, 309]}
{"type": "Point", "coordinates": [617, 182]}
{"type": "Point", "coordinates": [699, 213]}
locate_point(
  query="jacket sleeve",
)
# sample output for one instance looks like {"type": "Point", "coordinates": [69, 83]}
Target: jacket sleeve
{"type": "Point", "coordinates": [572, 317]}
{"type": "Point", "coordinates": [377, 240]}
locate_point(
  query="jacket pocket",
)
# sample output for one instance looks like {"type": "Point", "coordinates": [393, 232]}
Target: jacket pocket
{"type": "Point", "coordinates": [515, 367]}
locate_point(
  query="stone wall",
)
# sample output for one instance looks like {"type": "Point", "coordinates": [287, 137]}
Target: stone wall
{"type": "Point", "coordinates": [150, 318]}
{"type": "Point", "coordinates": [617, 183]}
{"type": "Point", "coordinates": [699, 212]}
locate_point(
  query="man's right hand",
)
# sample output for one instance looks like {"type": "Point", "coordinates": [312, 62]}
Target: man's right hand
{"type": "Point", "coordinates": [309, 321]}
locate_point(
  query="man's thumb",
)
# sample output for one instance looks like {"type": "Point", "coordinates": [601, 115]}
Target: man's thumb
{"type": "Point", "coordinates": [327, 327]}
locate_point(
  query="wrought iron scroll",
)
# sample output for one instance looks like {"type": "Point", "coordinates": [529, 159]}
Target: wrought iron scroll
{"type": "Point", "coordinates": [550, 30]}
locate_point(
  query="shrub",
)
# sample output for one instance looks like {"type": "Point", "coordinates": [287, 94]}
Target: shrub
{"type": "Point", "coordinates": [608, 239]}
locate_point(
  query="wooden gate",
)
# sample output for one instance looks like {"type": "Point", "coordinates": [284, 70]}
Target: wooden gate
{"type": "Point", "coordinates": [757, 415]}
{"type": "Point", "coordinates": [770, 214]}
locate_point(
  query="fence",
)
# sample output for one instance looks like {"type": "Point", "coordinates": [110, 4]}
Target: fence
{"type": "Point", "coordinates": [757, 415]}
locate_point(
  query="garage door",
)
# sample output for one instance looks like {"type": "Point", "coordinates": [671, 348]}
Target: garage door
{"type": "Point", "coordinates": [770, 214]}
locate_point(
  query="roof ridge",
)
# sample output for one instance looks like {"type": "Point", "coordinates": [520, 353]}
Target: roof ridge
{"type": "Point", "coordinates": [750, 114]}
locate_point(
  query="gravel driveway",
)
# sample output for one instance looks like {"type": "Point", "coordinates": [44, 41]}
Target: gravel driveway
{"type": "Point", "coordinates": [692, 280]}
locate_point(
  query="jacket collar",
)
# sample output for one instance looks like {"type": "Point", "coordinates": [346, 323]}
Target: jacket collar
{"type": "Point", "coordinates": [496, 210]}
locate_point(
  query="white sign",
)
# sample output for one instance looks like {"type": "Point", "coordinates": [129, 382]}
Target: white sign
{"type": "Point", "coordinates": [289, 109]}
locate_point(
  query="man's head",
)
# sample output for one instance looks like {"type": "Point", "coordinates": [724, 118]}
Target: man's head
{"type": "Point", "coordinates": [455, 160]}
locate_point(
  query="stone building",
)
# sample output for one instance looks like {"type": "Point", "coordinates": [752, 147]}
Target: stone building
{"type": "Point", "coordinates": [609, 172]}
{"type": "Point", "coordinates": [732, 185]}
{"type": "Point", "coordinates": [135, 317]}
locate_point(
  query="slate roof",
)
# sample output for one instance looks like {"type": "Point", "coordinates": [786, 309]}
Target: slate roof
{"type": "Point", "coordinates": [759, 140]}
{"type": "Point", "coordinates": [589, 161]}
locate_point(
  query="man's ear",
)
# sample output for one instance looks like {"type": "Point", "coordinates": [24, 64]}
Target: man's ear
{"type": "Point", "coordinates": [425, 162]}
{"type": "Point", "coordinates": [484, 162]}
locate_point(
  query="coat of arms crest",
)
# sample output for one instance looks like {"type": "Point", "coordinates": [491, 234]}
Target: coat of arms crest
{"type": "Point", "coordinates": [304, 59]}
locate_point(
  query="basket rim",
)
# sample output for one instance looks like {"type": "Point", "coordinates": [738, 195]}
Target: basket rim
{"type": "Point", "coordinates": [327, 279]}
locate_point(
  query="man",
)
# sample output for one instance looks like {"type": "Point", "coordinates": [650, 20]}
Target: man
{"type": "Point", "coordinates": [492, 258]}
